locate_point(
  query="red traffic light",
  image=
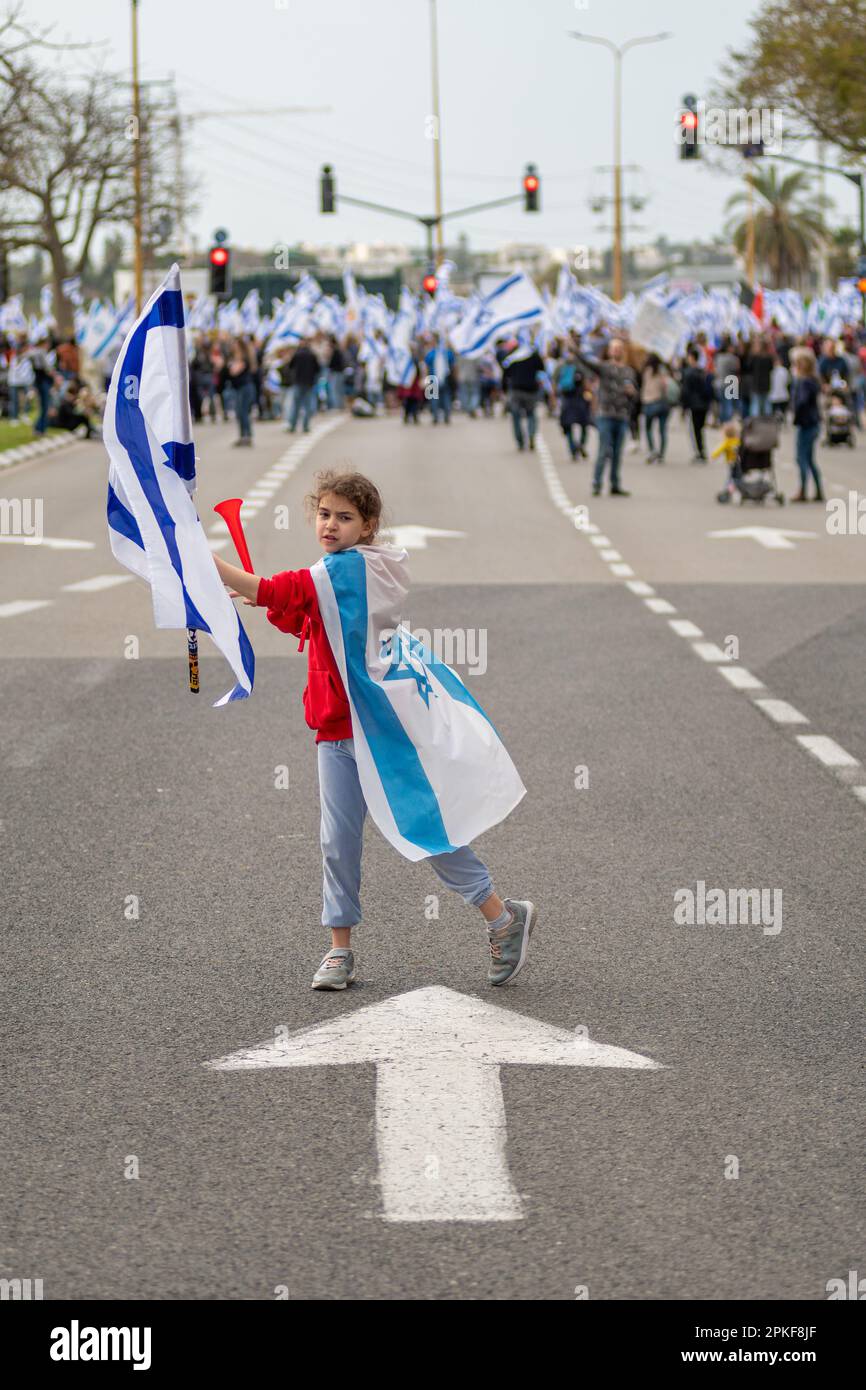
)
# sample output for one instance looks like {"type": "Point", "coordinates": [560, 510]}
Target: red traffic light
{"type": "Point", "coordinates": [861, 284]}
{"type": "Point", "coordinates": [430, 283]}
{"type": "Point", "coordinates": [219, 255]}
{"type": "Point", "coordinates": [530, 183]}
{"type": "Point", "coordinates": [689, 120]}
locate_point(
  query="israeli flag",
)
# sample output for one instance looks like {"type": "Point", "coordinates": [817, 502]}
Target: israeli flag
{"type": "Point", "coordinates": [398, 364]}
{"type": "Point", "coordinates": [434, 771]}
{"type": "Point", "coordinates": [513, 303]}
{"type": "Point", "coordinates": [153, 526]}
{"type": "Point", "coordinates": [71, 289]}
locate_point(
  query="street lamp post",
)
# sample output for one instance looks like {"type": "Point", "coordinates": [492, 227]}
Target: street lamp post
{"type": "Point", "coordinates": [437, 129]}
{"type": "Point", "coordinates": [618, 51]}
{"type": "Point", "coordinates": [136, 155]}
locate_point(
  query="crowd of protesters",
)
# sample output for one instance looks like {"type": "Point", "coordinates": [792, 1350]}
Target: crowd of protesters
{"type": "Point", "coordinates": [602, 381]}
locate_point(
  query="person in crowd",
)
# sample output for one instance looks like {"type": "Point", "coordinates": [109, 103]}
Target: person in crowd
{"type": "Point", "coordinates": [440, 366]}
{"type": "Point", "coordinates": [300, 401]}
{"type": "Point", "coordinates": [238, 372]}
{"type": "Point", "coordinates": [489, 376]}
{"type": "Point", "coordinates": [336, 374]}
{"type": "Point", "coordinates": [68, 359]}
{"type": "Point", "coordinates": [744, 352]}
{"type": "Point", "coordinates": [695, 394]}
{"type": "Point", "coordinates": [43, 362]}
{"type": "Point", "coordinates": [573, 395]}
{"type": "Point", "coordinates": [73, 410]}
{"type": "Point", "coordinates": [780, 378]}
{"type": "Point", "coordinates": [807, 422]}
{"type": "Point", "coordinates": [470, 386]}
{"type": "Point", "coordinates": [832, 368]}
{"type": "Point", "coordinates": [657, 387]}
{"type": "Point", "coordinates": [411, 393]}
{"type": "Point", "coordinates": [522, 368]}
{"type": "Point", "coordinates": [618, 387]}
{"type": "Point", "coordinates": [726, 380]}
{"type": "Point", "coordinates": [728, 448]}
{"type": "Point", "coordinates": [762, 370]}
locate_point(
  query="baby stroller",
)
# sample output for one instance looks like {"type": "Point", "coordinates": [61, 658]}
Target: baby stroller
{"type": "Point", "coordinates": [839, 421]}
{"type": "Point", "coordinates": [752, 475]}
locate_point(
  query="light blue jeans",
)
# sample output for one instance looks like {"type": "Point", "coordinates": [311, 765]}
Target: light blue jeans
{"type": "Point", "coordinates": [342, 837]}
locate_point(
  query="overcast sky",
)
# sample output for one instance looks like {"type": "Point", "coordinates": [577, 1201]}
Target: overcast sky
{"type": "Point", "coordinates": [513, 86]}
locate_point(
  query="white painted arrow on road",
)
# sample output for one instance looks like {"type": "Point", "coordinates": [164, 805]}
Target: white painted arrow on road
{"type": "Point", "coordinates": [771, 537]}
{"type": "Point", "coordinates": [440, 1114]}
{"type": "Point", "coordinates": [415, 537]}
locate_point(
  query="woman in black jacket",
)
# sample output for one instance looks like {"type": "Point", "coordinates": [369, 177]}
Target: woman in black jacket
{"type": "Point", "coordinates": [807, 422]}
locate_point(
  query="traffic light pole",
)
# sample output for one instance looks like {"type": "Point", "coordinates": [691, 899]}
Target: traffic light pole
{"type": "Point", "coordinates": [436, 220]}
{"type": "Point", "coordinates": [136, 157]}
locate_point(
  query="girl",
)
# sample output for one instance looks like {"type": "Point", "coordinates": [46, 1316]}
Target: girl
{"type": "Point", "coordinates": [807, 421]}
{"type": "Point", "coordinates": [347, 510]}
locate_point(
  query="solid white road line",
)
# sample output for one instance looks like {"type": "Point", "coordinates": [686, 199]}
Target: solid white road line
{"type": "Point", "coordinates": [781, 712]}
{"type": "Point", "coordinates": [99, 581]}
{"type": "Point", "coordinates": [23, 605]}
{"type": "Point", "coordinates": [708, 651]}
{"type": "Point", "coordinates": [683, 628]}
{"type": "Point", "coordinates": [740, 678]}
{"type": "Point", "coordinates": [826, 750]}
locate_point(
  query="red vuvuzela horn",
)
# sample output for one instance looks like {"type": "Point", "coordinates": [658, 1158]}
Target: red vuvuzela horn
{"type": "Point", "coordinates": [230, 511]}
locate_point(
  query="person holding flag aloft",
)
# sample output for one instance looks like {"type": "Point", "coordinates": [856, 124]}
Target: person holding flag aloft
{"type": "Point", "coordinates": [397, 731]}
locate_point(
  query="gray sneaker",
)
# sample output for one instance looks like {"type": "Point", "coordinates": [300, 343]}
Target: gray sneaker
{"type": "Point", "coordinates": [509, 945]}
{"type": "Point", "coordinates": [337, 969]}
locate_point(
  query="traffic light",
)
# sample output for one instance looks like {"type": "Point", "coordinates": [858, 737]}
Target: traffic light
{"type": "Point", "coordinates": [429, 284]}
{"type": "Point", "coordinates": [531, 189]}
{"type": "Point", "coordinates": [861, 284]}
{"type": "Point", "coordinates": [5, 286]}
{"type": "Point", "coordinates": [328, 189]}
{"type": "Point", "coordinates": [220, 258]}
{"type": "Point", "coordinates": [688, 133]}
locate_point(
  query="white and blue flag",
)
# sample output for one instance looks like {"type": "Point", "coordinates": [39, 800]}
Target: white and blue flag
{"type": "Point", "coordinates": [512, 304]}
{"type": "Point", "coordinates": [434, 772]}
{"type": "Point", "coordinates": [153, 525]}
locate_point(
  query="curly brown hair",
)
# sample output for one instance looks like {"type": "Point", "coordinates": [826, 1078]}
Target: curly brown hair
{"type": "Point", "coordinates": [357, 489]}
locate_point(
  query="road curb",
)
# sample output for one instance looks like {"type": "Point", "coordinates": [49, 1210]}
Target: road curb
{"type": "Point", "coordinates": [36, 448]}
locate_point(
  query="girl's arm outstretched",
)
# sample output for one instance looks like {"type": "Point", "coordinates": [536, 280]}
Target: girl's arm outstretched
{"type": "Point", "coordinates": [247, 585]}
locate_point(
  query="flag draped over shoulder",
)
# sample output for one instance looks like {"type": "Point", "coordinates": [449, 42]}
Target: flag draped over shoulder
{"type": "Point", "coordinates": [153, 525]}
{"type": "Point", "coordinates": [434, 771]}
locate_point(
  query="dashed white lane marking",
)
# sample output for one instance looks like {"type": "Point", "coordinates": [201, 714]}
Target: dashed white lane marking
{"type": "Point", "coordinates": [740, 678]}
{"type": "Point", "coordinates": [824, 749]}
{"type": "Point", "coordinates": [23, 605]}
{"type": "Point", "coordinates": [708, 651]}
{"type": "Point", "coordinates": [610, 555]}
{"type": "Point", "coordinates": [50, 542]}
{"type": "Point", "coordinates": [263, 489]}
{"type": "Point", "coordinates": [99, 581]}
{"type": "Point", "coordinates": [781, 712]}
{"type": "Point", "coordinates": [683, 628]}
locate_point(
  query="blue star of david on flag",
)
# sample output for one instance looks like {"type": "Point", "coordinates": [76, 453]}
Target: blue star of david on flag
{"type": "Point", "coordinates": [405, 666]}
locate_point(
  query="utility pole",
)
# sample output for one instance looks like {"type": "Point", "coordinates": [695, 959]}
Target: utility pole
{"type": "Point", "coordinates": [136, 134]}
{"type": "Point", "coordinates": [437, 129]}
{"type": "Point", "coordinates": [618, 52]}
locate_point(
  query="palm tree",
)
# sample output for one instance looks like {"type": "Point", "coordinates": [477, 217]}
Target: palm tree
{"type": "Point", "coordinates": [787, 232]}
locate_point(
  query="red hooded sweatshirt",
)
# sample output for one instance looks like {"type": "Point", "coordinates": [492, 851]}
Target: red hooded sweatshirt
{"type": "Point", "coordinates": [293, 606]}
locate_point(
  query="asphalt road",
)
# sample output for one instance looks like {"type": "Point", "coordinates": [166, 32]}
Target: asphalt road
{"type": "Point", "coordinates": [117, 782]}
